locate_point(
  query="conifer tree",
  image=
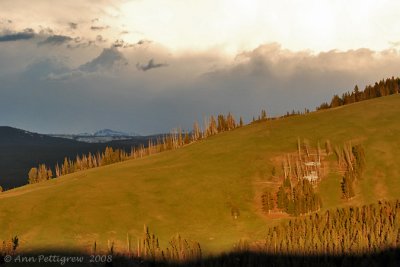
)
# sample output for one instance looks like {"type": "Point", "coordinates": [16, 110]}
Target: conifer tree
{"type": "Point", "coordinates": [58, 170]}
{"type": "Point", "coordinates": [347, 186]}
{"type": "Point", "coordinates": [196, 131]}
{"type": "Point", "coordinates": [212, 127]}
{"type": "Point", "coordinates": [282, 199]}
{"type": "Point", "coordinates": [221, 123]}
{"type": "Point", "coordinates": [268, 202]}
{"type": "Point", "coordinates": [65, 169]}
{"type": "Point", "coordinates": [186, 139]}
{"type": "Point", "coordinates": [230, 122]}
{"type": "Point", "coordinates": [263, 114]}
{"type": "Point", "coordinates": [33, 176]}
{"type": "Point", "coordinates": [336, 101]}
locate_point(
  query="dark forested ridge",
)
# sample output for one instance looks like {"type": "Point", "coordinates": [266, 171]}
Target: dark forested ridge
{"type": "Point", "coordinates": [13, 136]}
{"type": "Point", "coordinates": [20, 150]}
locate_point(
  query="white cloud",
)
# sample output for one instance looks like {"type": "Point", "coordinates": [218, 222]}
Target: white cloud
{"type": "Point", "coordinates": [235, 25]}
{"type": "Point", "coordinates": [229, 25]}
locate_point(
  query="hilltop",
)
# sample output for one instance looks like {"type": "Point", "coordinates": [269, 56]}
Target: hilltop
{"type": "Point", "coordinates": [193, 190]}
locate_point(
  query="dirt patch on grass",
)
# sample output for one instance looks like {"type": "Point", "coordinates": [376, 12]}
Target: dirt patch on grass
{"type": "Point", "coordinates": [277, 215]}
{"type": "Point", "coordinates": [380, 189]}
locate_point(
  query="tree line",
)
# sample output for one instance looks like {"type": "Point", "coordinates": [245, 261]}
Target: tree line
{"type": "Point", "coordinates": [368, 235]}
{"type": "Point", "coordinates": [350, 230]}
{"type": "Point", "coordinates": [298, 200]}
{"type": "Point", "coordinates": [179, 249]}
{"type": "Point", "coordinates": [384, 87]}
{"type": "Point", "coordinates": [263, 115]}
{"type": "Point", "coordinates": [351, 159]}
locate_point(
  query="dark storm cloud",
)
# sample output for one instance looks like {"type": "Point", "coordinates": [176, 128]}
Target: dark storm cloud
{"type": "Point", "coordinates": [48, 67]}
{"type": "Point", "coordinates": [150, 65]}
{"type": "Point", "coordinates": [17, 36]}
{"type": "Point", "coordinates": [99, 28]}
{"type": "Point", "coordinates": [56, 40]}
{"type": "Point", "coordinates": [122, 44]}
{"type": "Point", "coordinates": [100, 39]}
{"type": "Point", "coordinates": [81, 42]}
{"type": "Point", "coordinates": [109, 60]}
{"type": "Point", "coordinates": [119, 43]}
{"type": "Point", "coordinates": [73, 25]}
{"type": "Point", "coordinates": [142, 42]}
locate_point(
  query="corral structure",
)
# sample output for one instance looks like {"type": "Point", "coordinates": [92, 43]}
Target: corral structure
{"type": "Point", "coordinates": [312, 168]}
{"type": "Point", "coordinates": [307, 163]}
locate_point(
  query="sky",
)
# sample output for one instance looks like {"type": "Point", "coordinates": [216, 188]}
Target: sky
{"type": "Point", "coordinates": [149, 66]}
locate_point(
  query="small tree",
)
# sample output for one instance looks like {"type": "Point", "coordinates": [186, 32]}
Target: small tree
{"type": "Point", "coordinates": [347, 187]}
{"type": "Point", "coordinates": [273, 171]}
{"type": "Point", "coordinates": [328, 147]}
{"type": "Point", "coordinates": [282, 198]}
{"type": "Point", "coordinates": [263, 114]}
{"type": "Point", "coordinates": [33, 176]}
{"type": "Point", "coordinates": [268, 202]}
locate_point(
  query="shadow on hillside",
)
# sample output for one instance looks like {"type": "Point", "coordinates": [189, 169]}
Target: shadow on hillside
{"type": "Point", "coordinates": [234, 259]}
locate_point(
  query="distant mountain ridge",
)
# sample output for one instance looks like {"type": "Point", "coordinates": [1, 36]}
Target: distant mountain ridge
{"type": "Point", "coordinates": [109, 132]}
{"type": "Point", "coordinates": [101, 136]}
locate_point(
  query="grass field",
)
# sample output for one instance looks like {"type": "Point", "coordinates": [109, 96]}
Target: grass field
{"type": "Point", "coordinates": [191, 191]}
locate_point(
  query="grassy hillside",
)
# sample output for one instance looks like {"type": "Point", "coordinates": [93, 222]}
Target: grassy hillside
{"type": "Point", "coordinates": [191, 191]}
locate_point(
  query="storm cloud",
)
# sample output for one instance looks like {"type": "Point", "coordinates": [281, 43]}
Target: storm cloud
{"type": "Point", "coordinates": [17, 36]}
{"type": "Point", "coordinates": [88, 65]}
{"type": "Point", "coordinates": [150, 65]}
{"type": "Point", "coordinates": [99, 28]}
{"type": "Point", "coordinates": [73, 25]}
{"type": "Point", "coordinates": [98, 87]}
{"type": "Point", "coordinates": [56, 40]}
{"type": "Point", "coordinates": [107, 62]}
